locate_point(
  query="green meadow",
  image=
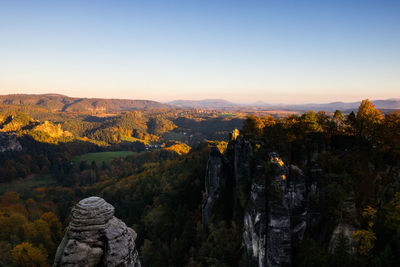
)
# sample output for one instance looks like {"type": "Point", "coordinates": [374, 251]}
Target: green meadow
{"type": "Point", "coordinates": [99, 157]}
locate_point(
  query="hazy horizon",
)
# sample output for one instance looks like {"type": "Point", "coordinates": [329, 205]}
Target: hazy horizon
{"type": "Point", "coordinates": [294, 52]}
{"type": "Point", "coordinates": [211, 99]}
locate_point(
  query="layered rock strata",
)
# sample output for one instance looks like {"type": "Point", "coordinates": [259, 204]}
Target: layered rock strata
{"type": "Point", "coordinates": [95, 237]}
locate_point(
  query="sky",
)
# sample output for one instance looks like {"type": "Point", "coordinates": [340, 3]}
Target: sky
{"type": "Point", "coordinates": [276, 51]}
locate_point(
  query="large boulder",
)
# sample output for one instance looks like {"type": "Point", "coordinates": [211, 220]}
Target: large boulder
{"type": "Point", "coordinates": [95, 237]}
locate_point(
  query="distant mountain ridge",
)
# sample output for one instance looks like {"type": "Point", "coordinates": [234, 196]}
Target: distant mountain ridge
{"type": "Point", "coordinates": [56, 102]}
{"type": "Point", "coordinates": [62, 103]}
{"type": "Point", "coordinates": [205, 103]}
{"type": "Point", "coordinates": [388, 104]}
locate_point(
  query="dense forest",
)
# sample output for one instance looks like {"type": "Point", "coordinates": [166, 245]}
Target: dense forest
{"type": "Point", "coordinates": [158, 190]}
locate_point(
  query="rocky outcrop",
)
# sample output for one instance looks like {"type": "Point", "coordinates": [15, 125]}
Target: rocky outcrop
{"type": "Point", "coordinates": [278, 211]}
{"type": "Point", "coordinates": [255, 219]}
{"type": "Point", "coordinates": [278, 230]}
{"type": "Point", "coordinates": [298, 201]}
{"type": "Point", "coordinates": [95, 237]}
{"type": "Point", "coordinates": [267, 219]}
{"type": "Point", "coordinates": [213, 182]}
{"type": "Point", "coordinates": [224, 171]}
{"type": "Point", "coordinates": [346, 230]}
{"type": "Point", "coordinates": [9, 142]}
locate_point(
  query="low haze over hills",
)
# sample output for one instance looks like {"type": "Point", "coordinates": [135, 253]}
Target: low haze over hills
{"type": "Point", "coordinates": [387, 104]}
{"type": "Point", "coordinates": [205, 103]}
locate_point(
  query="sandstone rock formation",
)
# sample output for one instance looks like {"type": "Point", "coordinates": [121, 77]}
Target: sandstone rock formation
{"type": "Point", "coordinates": [96, 238]}
{"type": "Point", "coordinates": [278, 238]}
{"type": "Point", "coordinates": [9, 142]}
{"type": "Point", "coordinates": [278, 209]}
{"type": "Point", "coordinates": [255, 220]}
{"type": "Point", "coordinates": [347, 231]}
{"type": "Point", "coordinates": [213, 181]}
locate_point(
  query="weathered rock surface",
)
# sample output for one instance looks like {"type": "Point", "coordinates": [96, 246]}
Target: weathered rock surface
{"type": "Point", "coordinates": [223, 172]}
{"type": "Point", "coordinates": [278, 211]}
{"type": "Point", "coordinates": [9, 142]}
{"type": "Point", "coordinates": [267, 220]}
{"type": "Point", "coordinates": [255, 219]}
{"type": "Point", "coordinates": [298, 201]}
{"type": "Point", "coordinates": [345, 228]}
{"type": "Point", "coordinates": [347, 231]}
{"type": "Point", "coordinates": [213, 181]}
{"type": "Point", "coordinates": [278, 231]}
{"type": "Point", "coordinates": [96, 238]}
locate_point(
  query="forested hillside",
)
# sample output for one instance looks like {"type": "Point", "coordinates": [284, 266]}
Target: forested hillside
{"type": "Point", "coordinates": [55, 102]}
{"type": "Point", "coordinates": [159, 188]}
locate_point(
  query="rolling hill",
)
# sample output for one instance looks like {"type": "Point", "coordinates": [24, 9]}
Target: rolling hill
{"type": "Point", "coordinates": [55, 102]}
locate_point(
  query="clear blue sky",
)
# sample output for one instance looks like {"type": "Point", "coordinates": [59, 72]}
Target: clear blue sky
{"type": "Point", "coordinates": [291, 51]}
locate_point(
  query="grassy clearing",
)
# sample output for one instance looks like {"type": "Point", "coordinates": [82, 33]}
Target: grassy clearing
{"type": "Point", "coordinates": [27, 184]}
{"type": "Point", "coordinates": [99, 157]}
{"type": "Point", "coordinates": [227, 115]}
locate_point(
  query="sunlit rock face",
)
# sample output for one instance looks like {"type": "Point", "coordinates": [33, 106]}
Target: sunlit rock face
{"type": "Point", "coordinates": [96, 238]}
